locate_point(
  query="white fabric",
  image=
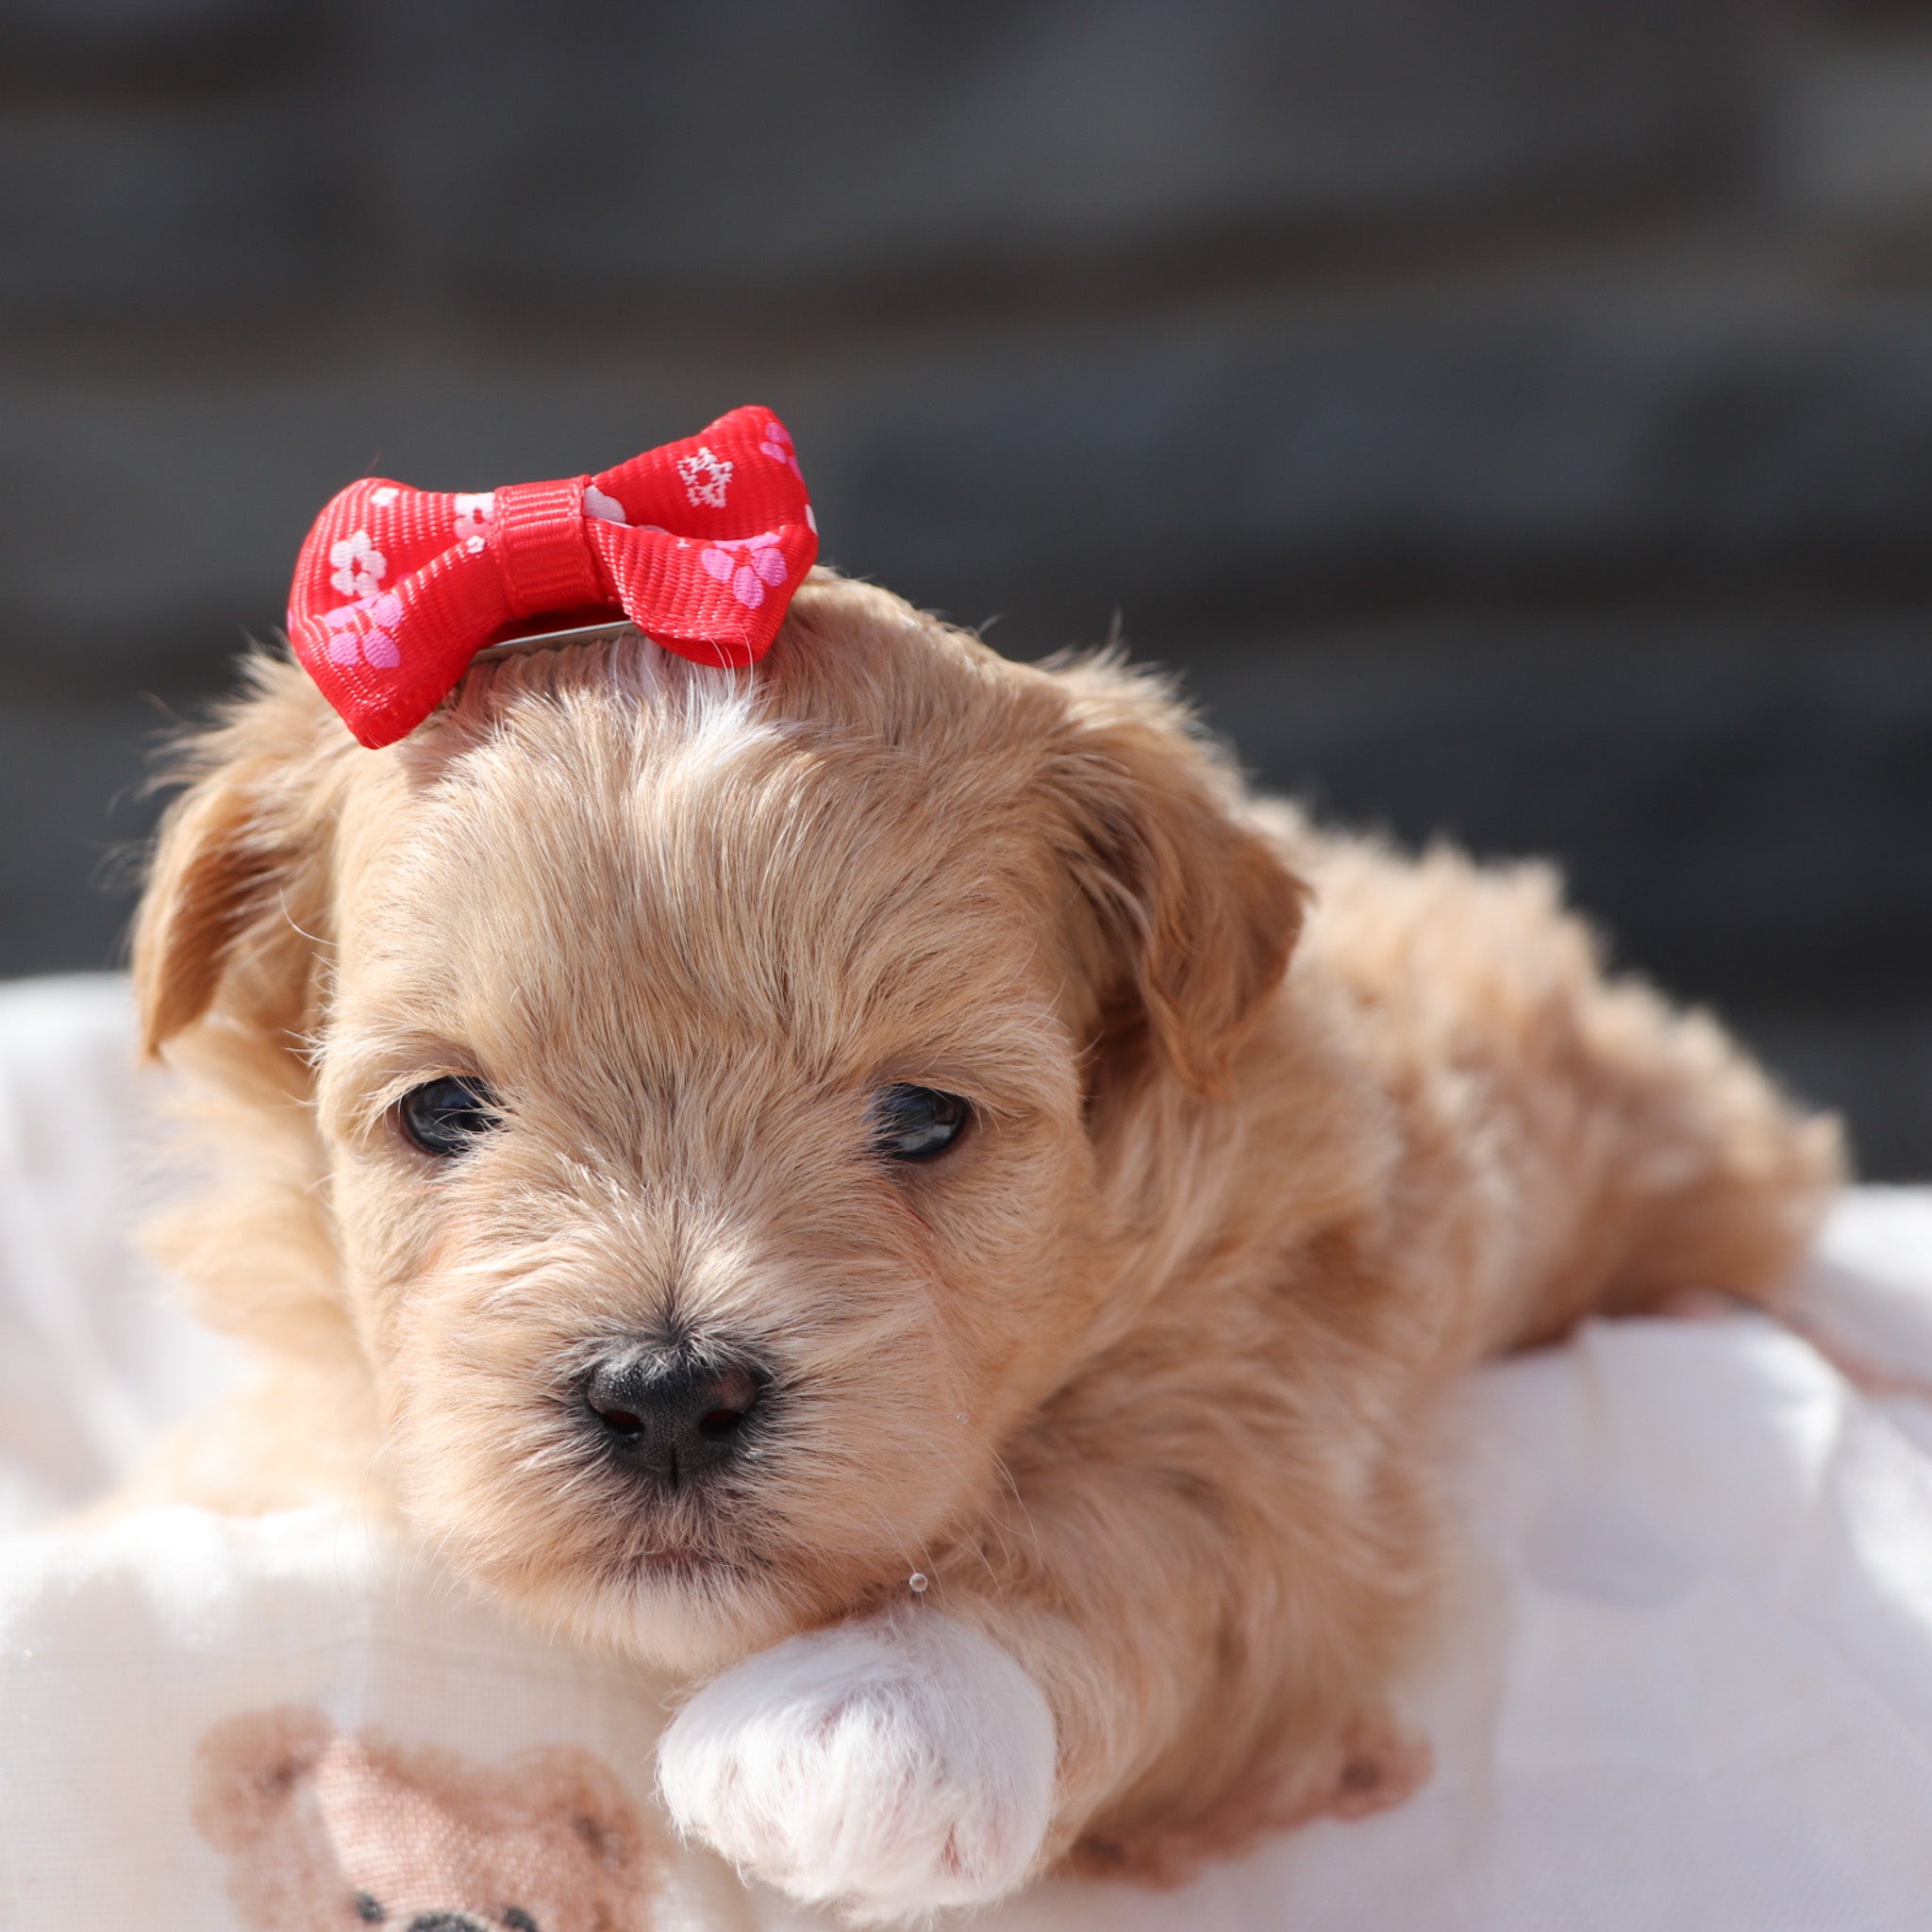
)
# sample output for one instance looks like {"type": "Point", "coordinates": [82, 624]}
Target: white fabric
{"type": "Point", "coordinates": [1685, 1684]}
{"type": "Point", "coordinates": [90, 1361]}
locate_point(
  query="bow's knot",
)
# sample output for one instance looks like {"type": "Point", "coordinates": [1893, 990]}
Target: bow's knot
{"type": "Point", "coordinates": [700, 545]}
{"type": "Point", "coordinates": [543, 552]}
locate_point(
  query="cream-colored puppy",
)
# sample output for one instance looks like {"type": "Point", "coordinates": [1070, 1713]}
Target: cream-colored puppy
{"type": "Point", "coordinates": [885, 1182]}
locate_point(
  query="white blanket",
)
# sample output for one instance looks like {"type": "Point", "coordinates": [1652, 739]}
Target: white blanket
{"type": "Point", "coordinates": [1686, 1681]}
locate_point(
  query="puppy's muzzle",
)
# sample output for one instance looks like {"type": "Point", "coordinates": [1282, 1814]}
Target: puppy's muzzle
{"type": "Point", "coordinates": [675, 1414]}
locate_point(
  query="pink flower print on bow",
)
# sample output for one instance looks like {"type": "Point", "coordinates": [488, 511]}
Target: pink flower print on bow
{"type": "Point", "coordinates": [360, 629]}
{"type": "Point", "coordinates": [777, 445]}
{"type": "Point", "coordinates": [363, 631]}
{"type": "Point", "coordinates": [747, 566]}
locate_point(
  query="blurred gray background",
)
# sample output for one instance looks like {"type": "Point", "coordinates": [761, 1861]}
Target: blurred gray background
{"type": "Point", "coordinates": [1514, 416]}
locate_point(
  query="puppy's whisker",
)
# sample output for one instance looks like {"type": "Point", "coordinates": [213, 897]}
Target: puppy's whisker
{"type": "Point", "coordinates": [997, 1521]}
{"type": "Point", "coordinates": [288, 919]}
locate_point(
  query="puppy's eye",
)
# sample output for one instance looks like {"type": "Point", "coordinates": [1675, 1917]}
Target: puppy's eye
{"type": "Point", "coordinates": [369, 1910]}
{"type": "Point", "coordinates": [444, 1116]}
{"type": "Point", "coordinates": [916, 1123]}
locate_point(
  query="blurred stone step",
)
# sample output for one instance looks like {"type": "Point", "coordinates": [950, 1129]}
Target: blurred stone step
{"type": "Point", "coordinates": [698, 157]}
{"type": "Point", "coordinates": [1251, 462]}
{"type": "Point", "coordinates": [137, 214]}
{"type": "Point", "coordinates": [71, 798]}
{"type": "Point", "coordinates": [577, 152]}
{"type": "Point", "coordinates": [1742, 803]}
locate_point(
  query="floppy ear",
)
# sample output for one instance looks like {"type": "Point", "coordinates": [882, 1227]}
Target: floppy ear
{"type": "Point", "coordinates": [249, 1769]}
{"type": "Point", "coordinates": [1196, 911]}
{"type": "Point", "coordinates": [236, 903]}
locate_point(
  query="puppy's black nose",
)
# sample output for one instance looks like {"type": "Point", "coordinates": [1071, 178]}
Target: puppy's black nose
{"type": "Point", "coordinates": [676, 1414]}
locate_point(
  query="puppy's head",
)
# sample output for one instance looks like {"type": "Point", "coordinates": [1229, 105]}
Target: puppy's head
{"type": "Point", "coordinates": [721, 1084]}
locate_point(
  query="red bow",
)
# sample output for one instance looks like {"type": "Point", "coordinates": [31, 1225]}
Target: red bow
{"type": "Point", "coordinates": [700, 544]}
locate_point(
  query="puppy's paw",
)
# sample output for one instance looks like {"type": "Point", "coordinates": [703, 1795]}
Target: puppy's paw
{"type": "Point", "coordinates": [888, 1765]}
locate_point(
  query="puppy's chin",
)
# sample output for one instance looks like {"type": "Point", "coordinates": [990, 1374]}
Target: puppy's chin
{"type": "Point", "coordinates": [673, 1589]}
{"type": "Point", "coordinates": [686, 1616]}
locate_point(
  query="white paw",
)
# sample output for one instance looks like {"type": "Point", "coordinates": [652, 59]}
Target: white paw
{"type": "Point", "coordinates": [888, 1765]}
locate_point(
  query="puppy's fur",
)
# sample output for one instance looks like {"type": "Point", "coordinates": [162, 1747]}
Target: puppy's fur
{"type": "Point", "coordinates": [1274, 1134]}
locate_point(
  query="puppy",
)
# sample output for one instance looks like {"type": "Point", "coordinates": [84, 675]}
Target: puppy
{"type": "Point", "coordinates": [886, 1183]}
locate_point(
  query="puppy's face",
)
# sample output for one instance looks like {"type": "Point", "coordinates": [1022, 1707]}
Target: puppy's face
{"type": "Point", "coordinates": [707, 1288]}
{"type": "Point", "coordinates": [706, 1069]}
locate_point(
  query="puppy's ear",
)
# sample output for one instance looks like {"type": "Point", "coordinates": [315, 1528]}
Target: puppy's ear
{"type": "Point", "coordinates": [1196, 911]}
{"type": "Point", "coordinates": [236, 904]}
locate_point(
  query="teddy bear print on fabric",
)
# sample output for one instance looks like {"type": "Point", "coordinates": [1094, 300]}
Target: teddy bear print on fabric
{"type": "Point", "coordinates": [337, 1832]}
